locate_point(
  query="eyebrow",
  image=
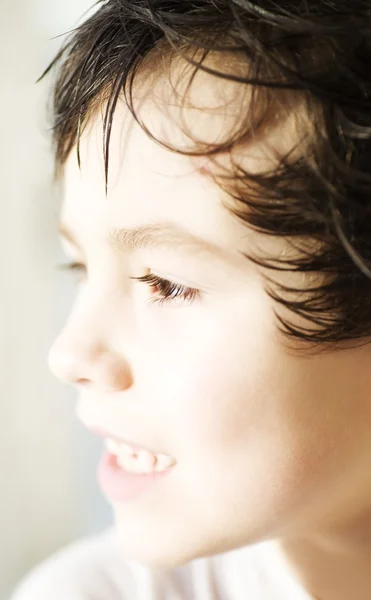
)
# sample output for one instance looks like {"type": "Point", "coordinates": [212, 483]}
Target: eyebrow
{"type": "Point", "coordinates": [153, 236]}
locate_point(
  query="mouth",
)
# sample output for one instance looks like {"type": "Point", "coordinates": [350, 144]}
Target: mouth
{"type": "Point", "coordinates": [132, 457]}
{"type": "Point", "coordinates": [122, 485]}
{"type": "Point", "coordinates": [128, 471]}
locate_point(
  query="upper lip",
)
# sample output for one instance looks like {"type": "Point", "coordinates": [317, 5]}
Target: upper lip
{"type": "Point", "coordinates": [107, 434]}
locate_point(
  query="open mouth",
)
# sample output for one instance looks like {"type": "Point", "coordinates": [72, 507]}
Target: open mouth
{"type": "Point", "coordinates": [121, 484]}
{"type": "Point", "coordinates": [138, 460]}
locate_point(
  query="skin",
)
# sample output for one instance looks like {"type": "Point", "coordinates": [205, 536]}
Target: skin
{"type": "Point", "coordinates": [268, 443]}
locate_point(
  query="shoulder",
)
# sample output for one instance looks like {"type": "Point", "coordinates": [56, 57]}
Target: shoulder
{"type": "Point", "coordinates": [87, 569]}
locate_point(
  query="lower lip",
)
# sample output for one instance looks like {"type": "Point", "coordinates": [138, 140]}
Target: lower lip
{"type": "Point", "coordinates": [122, 486]}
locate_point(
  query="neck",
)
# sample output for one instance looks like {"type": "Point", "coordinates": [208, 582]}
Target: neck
{"type": "Point", "coordinates": [333, 568]}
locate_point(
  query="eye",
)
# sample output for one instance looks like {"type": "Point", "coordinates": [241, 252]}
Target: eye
{"type": "Point", "coordinates": [75, 267]}
{"type": "Point", "coordinates": [167, 290]}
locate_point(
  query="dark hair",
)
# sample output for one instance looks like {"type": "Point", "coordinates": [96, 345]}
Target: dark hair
{"type": "Point", "coordinates": [311, 52]}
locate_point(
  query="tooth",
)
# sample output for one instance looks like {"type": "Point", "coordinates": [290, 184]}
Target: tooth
{"type": "Point", "coordinates": [112, 446]}
{"type": "Point", "coordinates": [146, 460]}
{"type": "Point", "coordinates": [135, 465]}
{"type": "Point", "coordinates": [126, 450]}
{"type": "Point", "coordinates": [163, 462]}
{"type": "Point", "coordinates": [126, 463]}
{"type": "Point", "coordinates": [139, 461]}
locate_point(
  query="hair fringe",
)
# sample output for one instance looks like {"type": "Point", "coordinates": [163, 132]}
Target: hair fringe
{"type": "Point", "coordinates": [320, 202]}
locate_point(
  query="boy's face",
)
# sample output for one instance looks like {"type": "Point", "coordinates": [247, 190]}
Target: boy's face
{"type": "Point", "coordinates": [266, 443]}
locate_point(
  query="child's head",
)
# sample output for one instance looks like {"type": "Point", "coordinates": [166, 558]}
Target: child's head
{"type": "Point", "coordinates": [223, 146]}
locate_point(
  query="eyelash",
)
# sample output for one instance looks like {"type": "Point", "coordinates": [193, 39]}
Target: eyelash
{"type": "Point", "coordinates": [171, 291]}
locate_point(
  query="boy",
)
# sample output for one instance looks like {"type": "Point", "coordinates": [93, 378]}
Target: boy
{"type": "Point", "coordinates": [215, 156]}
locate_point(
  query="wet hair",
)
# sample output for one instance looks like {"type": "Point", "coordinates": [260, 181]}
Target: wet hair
{"type": "Point", "coordinates": [310, 53]}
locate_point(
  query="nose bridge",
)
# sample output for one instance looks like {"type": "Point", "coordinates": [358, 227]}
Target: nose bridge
{"type": "Point", "coordinates": [84, 351]}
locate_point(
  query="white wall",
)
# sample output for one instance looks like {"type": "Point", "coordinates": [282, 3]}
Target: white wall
{"type": "Point", "coordinates": [48, 494]}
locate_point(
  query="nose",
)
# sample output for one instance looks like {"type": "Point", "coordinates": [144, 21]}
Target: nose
{"type": "Point", "coordinates": [81, 355]}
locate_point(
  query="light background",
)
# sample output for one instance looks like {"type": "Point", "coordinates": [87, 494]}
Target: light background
{"type": "Point", "coordinates": [48, 493]}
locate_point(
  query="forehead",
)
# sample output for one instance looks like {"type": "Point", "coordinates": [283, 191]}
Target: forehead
{"type": "Point", "coordinates": [148, 184]}
{"type": "Point", "coordinates": [147, 180]}
{"type": "Point", "coordinates": [187, 108]}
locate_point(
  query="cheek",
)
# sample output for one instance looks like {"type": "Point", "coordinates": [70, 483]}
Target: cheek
{"type": "Point", "coordinates": [245, 432]}
{"type": "Point", "coordinates": [219, 386]}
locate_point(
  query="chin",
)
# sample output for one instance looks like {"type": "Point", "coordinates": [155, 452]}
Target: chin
{"type": "Point", "coordinates": [154, 553]}
{"type": "Point", "coordinates": [152, 557]}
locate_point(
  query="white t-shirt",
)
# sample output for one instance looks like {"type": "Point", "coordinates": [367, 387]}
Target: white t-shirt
{"type": "Point", "coordinates": [91, 569]}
